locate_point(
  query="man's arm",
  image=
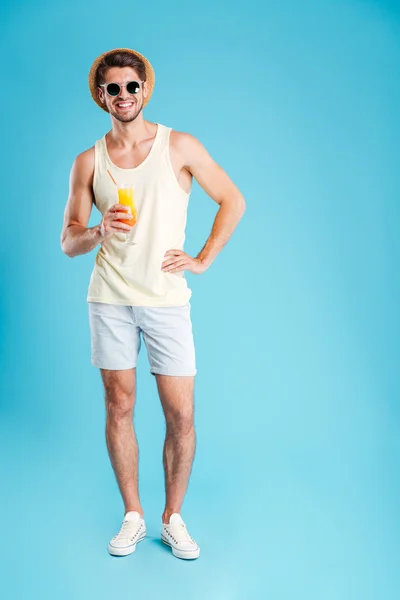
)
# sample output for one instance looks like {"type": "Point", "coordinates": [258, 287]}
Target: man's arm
{"type": "Point", "coordinates": [76, 237]}
{"type": "Point", "coordinates": [216, 183]}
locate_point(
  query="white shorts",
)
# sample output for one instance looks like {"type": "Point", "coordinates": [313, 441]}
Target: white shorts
{"type": "Point", "coordinates": [167, 332]}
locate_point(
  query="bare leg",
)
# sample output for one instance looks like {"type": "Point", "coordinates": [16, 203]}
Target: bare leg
{"type": "Point", "coordinates": [120, 397]}
{"type": "Point", "coordinates": [177, 398]}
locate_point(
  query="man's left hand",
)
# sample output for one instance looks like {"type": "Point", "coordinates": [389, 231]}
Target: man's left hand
{"type": "Point", "coordinates": [178, 260]}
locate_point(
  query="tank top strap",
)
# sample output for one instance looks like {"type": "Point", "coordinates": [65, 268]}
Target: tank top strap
{"type": "Point", "coordinates": [163, 137]}
{"type": "Point", "coordinates": [99, 158]}
{"type": "Point", "coordinates": [98, 151]}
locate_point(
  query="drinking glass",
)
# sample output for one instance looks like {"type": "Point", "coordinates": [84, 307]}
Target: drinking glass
{"type": "Point", "coordinates": [126, 197]}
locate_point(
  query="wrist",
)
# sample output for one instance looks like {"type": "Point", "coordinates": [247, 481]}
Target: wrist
{"type": "Point", "coordinates": [98, 234]}
{"type": "Point", "coordinates": [204, 261]}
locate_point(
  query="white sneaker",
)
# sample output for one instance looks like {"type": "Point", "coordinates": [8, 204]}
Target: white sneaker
{"type": "Point", "coordinates": [133, 530]}
{"type": "Point", "coordinates": [177, 536]}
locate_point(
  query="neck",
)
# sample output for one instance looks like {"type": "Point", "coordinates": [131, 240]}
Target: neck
{"type": "Point", "coordinates": [129, 133]}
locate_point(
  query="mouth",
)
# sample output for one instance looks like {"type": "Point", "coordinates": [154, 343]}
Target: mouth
{"type": "Point", "coordinates": [124, 105]}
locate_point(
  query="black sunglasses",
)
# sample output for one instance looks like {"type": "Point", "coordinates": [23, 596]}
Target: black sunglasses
{"type": "Point", "coordinates": [113, 89]}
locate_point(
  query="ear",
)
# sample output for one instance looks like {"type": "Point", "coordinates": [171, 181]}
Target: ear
{"type": "Point", "coordinates": [100, 93]}
{"type": "Point", "coordinates": [145, 89]}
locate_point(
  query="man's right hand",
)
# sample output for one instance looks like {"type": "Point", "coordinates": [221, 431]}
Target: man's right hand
{"type": "Point", "coordinates": [111, 224]}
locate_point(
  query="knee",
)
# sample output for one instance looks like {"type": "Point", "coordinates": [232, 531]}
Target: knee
{"type": "Point", "coordinates": [180, 421]}
{"type": "Point", "coordinates": [119, 407]}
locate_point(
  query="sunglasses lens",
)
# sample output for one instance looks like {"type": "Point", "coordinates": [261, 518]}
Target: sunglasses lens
{"type": "Point", "coordinates": [133, 87]}
{"type": "Point", "coordinates": [113, 89]}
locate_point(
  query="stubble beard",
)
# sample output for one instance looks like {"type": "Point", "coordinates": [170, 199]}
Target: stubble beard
{"type": "Point", "coordinates": [127, 118]}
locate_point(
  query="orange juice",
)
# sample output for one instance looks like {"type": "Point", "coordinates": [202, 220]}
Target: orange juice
{"type": "Point", "coordinates": [125, 197]}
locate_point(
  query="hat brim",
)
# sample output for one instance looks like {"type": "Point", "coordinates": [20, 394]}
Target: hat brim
{"type": "Point", "coordinates": [150, 76]}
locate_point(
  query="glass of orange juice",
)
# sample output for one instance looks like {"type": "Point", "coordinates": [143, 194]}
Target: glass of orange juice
{"type": "Point", "coordinates": [126, 197]}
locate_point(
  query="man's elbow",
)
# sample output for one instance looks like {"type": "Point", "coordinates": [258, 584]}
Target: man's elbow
{"type": "Point", "coordinates": [67, 252]}
{"type": "Point", "coordinates": [235, 204]}
{"type": "Point", "coordinates": [65, 246]}
{"type": "Point", "coordinates": [240, 206]}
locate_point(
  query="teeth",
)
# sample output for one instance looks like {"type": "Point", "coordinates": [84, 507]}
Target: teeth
{"type": "Point", "coordinates": [125, 104]}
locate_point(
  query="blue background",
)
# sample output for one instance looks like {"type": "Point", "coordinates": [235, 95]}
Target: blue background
{"type": "Point", "coordinates": [295, 487]}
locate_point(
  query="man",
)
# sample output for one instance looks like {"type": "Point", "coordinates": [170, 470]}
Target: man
{"type": "Point", "coordinates": [138, 287]}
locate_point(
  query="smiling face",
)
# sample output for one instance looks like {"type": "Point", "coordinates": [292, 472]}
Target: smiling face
{"type": "Point", "coordinates": [125, 107]}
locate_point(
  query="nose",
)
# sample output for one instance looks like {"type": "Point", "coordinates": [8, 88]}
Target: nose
{"type": "Point", "coordinates": [123, 96]}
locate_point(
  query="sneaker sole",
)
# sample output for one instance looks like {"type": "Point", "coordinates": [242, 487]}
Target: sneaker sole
{"type": "Point", "coordinates": [115, 551]}
{"type": "Point", "coordinates": [186, 555]}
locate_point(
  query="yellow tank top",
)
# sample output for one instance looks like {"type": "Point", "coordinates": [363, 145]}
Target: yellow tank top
{"type": "Point", "coordinates": [130, 274]}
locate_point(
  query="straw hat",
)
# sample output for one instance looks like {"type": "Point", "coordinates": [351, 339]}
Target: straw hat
{"type": "Point", "coordinates": [150, 76]}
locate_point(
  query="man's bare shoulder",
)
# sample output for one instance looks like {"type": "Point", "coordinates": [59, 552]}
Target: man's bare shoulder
{"type": "Point", "coordinates": [190, 149]}
{"type": "Point", "coordinates": [85, 159]}
{"type": "Point", "coordinates": [182, 139]}
{"type": "Point", "coordinates": [83, 166]}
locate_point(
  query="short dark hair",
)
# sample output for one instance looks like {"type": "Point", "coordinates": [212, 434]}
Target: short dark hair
{"type": "Point", "coordinates": [120, 59]}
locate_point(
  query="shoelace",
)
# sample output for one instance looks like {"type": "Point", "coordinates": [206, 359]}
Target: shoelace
{"type": "Point", "coordinates": [129, 529]}
{"type": "Point", "coordinates": [179, 533]}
